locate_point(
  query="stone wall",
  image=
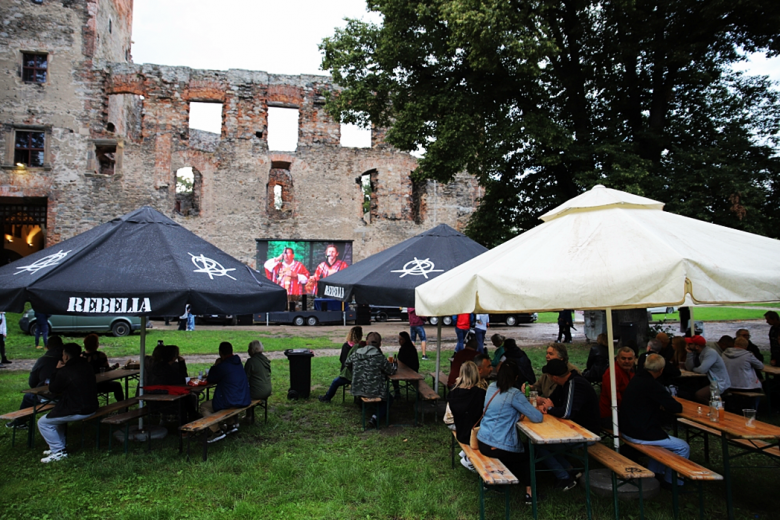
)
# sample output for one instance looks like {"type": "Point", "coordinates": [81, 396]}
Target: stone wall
{"type": "Point", "coordinates": [100, 107]}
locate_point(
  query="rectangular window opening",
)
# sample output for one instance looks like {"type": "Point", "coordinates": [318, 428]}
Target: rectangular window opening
{"type": "Point", "coordinates": [278, 203]}
{"type": "Point", "coordinates": [282, 129]}
{"type": "Point", "coordinates": [206, 117]}
{"type": "Point", "coordinates": [106, 158]}
{"type": "Point", "coordinates": [353, 136]}
{"type": "Point", "coordinates": [34, 67]}
{"type": "Point", "coordinates": [29, 148]}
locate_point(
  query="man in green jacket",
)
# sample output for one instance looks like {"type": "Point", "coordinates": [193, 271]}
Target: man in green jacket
{"type": "Point", "coordinates": [258, 371]}
{"type": "Point", "coordinates": [369, 374]}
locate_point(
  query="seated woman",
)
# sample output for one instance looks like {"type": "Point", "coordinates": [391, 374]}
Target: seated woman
{"type": "Point", "coordinates": [498, 431]}
{"type": "Point", "coordinates": [407, 355]}
{"type": "Point", "coordinates": [466, 400]}
{"type": "Point", "coordinates": [545, 385]}
{"type": "Point", "coordinates": [99, 360]}
{"type": "Point", "coordinates": [345, 375]}
{"type": "Point", "coordinates": [516, 354]}
{"type": "Point", "coordinates": [169, 369]}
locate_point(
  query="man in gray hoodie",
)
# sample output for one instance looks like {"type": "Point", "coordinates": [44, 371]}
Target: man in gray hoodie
{"type": "Point", "coordinates": [703, 359]}
{"type": "Point", "coordinates": [741, 366]}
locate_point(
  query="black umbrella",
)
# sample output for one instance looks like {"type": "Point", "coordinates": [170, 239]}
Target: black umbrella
{"type": "Point", "coordinates": [390, 277]}
{"type": "Point", "coordinates": [140, 264]}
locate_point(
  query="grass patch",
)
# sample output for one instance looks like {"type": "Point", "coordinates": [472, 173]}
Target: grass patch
{"type": "Point", "coordinates": [311, 460]}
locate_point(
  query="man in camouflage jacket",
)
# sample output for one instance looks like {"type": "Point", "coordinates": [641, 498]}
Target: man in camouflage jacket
{"type": "Point", "coordinates": [369, 374]}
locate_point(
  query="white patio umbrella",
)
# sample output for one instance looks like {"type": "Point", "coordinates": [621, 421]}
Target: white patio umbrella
{"type": "Point", "coordinates": [607, 249]}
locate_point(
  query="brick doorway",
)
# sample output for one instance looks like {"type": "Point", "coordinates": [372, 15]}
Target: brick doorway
{"type": "Point", "coordinates": [23, 221]}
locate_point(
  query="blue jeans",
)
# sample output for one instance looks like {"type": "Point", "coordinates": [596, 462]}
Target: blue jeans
{"type": "Point", "coordinates": [461, 333]}
{"type": "Point", "coordinates": [190, 322]}
{"type": "Point", "coordinates": [417, 332]}
{"type": "Point", "coordinates": [42, 330]}
{"type": "Point", "coordinates": [555, 462]}
{"type": "Point", "coordinates": [673, 444]}
{"type": "Point", "coordinates": [334, 386]}
{"type": "Point", "coordinates": [480, 339]}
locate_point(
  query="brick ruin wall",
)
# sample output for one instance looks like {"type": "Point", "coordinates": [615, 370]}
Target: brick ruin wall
{"type": "Point", "coordinates": [94, 97]}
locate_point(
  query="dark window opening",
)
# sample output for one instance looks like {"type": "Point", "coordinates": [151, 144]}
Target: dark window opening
{"type": "Point", "coordinates": [259, 135]}
{"type": "Point", "coordinates": [110, 26]}
{"type": "Point", "coordinates": [28, 148]}
{"type": "Point", "coordinates": [280, 192]}
{"type": "Point", "coordinates": [418, 201]}
{"type": "Point", "coordinates": [34, 67]}
{"type": "Point", "coordinates": [189, 182]}
{"type": "Point", "coordinates": [106, 159]}
{"type": "Point", "coordinates": [110, 127]}
{"type": "Point", "coordinates": [368, 185]}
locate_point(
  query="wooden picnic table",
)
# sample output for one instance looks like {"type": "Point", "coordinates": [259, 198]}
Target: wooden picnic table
{"type": "Point", "coordinates": [404, 373]}
{"type": "Point", "coordinates": [689, 373]}
{"type": "Point", "coordinates": [731, 427]}
{"type": "Point", "coordinates": [771, 369]}
{"type": "Point", "coordinates": [557, 435]}
{"type": "Point", "coordinates": [110, 375]}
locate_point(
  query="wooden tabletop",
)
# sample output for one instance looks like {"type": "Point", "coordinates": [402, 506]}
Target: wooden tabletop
{"type": "Point", "coordinates": [166, 398]}
{"type": "Point", "coordinates": [769, 369]}
{"type": "Point", "coordinates": [404, 373]}
{"type": "Point", "coordinates": [688, 373]}
{"type": "Point", "coordinates": [732, 424]}
{"type": "Point", "coordinates": [111, 375]}
{"type": "Point", "coordinates": [555, 431]}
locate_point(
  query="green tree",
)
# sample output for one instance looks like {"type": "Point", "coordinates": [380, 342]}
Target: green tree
{"type": "Point", "coordinates": [543, 99]}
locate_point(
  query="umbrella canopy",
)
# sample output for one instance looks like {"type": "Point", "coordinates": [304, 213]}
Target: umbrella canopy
{"type": "Point", "coordinates": [390, 277]}
{"type": "Point", "coordinates": [610, 249]}
{"type": "Point", "coordinates": [606, 249]}
{"type": "Point", "coordinates": [141, 264]}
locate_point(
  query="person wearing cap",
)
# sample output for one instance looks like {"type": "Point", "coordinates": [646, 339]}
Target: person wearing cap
{"type": "Point", "coordinates": [370, 370]}
{"type": "Point", "coordinates": [654, 346]}
{"type": "Point", "coordinates": [575, 399]}
{"type": "Point", "coordinates": [773, 320]}
{"type": "Point", "coordinates": [703, 359]}
{"type": "Point", "coordinates": [642, 414]}
{"type": "Point", "coordinates": [624, 371]}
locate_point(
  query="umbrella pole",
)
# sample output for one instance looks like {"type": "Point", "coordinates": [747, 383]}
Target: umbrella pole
{"type": "Point", "coordinates": [438, 355]}
{"type": "Point", "coordinates": [612, 383]}
{"type": "Point", "coordinates": [143, 369]}
{"type": "Point", "coordinates": [692, 324]}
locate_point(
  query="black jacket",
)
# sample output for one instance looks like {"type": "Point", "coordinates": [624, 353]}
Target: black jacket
{"type": "Point", "coordinates": [524, 363]}
{"type": "Point", "coordinates": [44, 367]}
{"type": "Point", "coordinates": [408, 356]}
{"type": "Point", "coordinates": [75, 385]}
{"type": "Point", "coordinates": [345, 348]}
{"type": "Point", "coordinates": [165, 374]}
{"type": "Point", "coordinates": [641, 412]}
{"type": "Point", "coordinates": [466, 406]}
{"type": "Point", "coordinates": [598, 363]}
{"type": "Point", "coordinates": [576, 400]}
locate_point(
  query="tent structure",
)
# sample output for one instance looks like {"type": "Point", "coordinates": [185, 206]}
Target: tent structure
{"type": "Point", "coordinates": [139, 264]}
{"type": "Point", "coordinates": [607, 249]}
{"type": "Point", "coordinates": [391, 276]}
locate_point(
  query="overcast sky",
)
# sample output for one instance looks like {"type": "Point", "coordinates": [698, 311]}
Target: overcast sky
{"type": "Point", "coordinates": [279, 36]}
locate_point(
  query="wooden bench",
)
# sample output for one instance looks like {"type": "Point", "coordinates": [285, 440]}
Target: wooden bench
{"type": "Point", "coordinates": [202, 425]}
{"type": "Point", "coordinates": [104, 411]}
{"type": "Point", "coordinates": [679, 466]}
{"type": "Point", "coordinates": [443, 378]}
{"type": "Point", "coordinates": [492, 472]}
{"type": "Point", "coordinates": [29, 414]}
{"type": "Point", "coordinates": [377, 401]}
{"type": "Point", "coordinates": [621, 469]}
{"type": "Point", "coordinates": [426, 393]}
{"type": "Point", "coordinates": [773, 450]}
{"type": "Point", "coordinates": [123, 419]}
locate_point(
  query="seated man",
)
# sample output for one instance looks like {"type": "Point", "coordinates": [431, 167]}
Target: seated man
{"type": "Point", "coordinates": [40, 374]}
{"type": "Point", "coordinates": [645, 401]}
{"type": "Point", "coordinates": [74, 383]}
{"type": "Point", "coordinates": [370, 369]}
{"type": "Point", "coordinates": [232, 390]}
{"type": "Point", "coordinates": [575, 399]}
{"type": "Point", "coordinates": [702, 359]}
{"type": "Point", "coordinates": [667, 351]}
{"type": "Point", "coordinates": [741, 366]}
{"type": "Point", "coordinates": [484, 368]}
{"type": "Point", "coordinates": [99, 360]}
{"type": "Point", "coordinates": [467, 354]}
{"type": "Point", "coordinates": [258, 371]}
{"type": "Point", "coordinates": [624, 371]}
{"type": "Point", "coordinates": [654, 346]}
{"type": "Point", "coordinates": [598, 360]}
{"type": "Point", "coordinates": [545, 385]}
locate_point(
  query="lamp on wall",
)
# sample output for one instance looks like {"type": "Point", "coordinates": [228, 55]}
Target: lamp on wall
{"type": "Point", "coordinates": [21, 166]}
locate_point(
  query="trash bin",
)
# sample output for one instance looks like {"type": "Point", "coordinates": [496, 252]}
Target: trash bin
{"type": "Point", "coordinates": [300, 372]}
{"type": "Point", "coordinates": [363, 316]}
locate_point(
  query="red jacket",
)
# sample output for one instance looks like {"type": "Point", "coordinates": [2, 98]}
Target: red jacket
{"type": "Point", "coordinates": [464, 321]}
{"type": "Point", "coordinates": [621, 382]}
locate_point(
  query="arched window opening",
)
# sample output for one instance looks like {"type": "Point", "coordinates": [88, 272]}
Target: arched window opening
{"type": "Point", "coordinates": [189, 182]}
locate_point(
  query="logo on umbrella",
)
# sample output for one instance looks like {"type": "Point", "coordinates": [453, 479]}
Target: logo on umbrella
{"type": "Point", "coordinates": [418, 267]}
{"type": "Point", "coordinates": [209, 266]}
{"type": "Point", "coordinates": [48, 261]}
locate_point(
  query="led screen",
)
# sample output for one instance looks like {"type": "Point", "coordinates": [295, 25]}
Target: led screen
{"type": "Point", "coordinates": [297, 265]}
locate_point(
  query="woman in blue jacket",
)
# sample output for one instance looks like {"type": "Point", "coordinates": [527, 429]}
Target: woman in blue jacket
{"type": "Point", "coordinates": [497, 435]}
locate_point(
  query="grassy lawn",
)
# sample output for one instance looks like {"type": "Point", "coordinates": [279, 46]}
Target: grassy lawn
{"type": "Point", "coordinates": [311, 460]}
